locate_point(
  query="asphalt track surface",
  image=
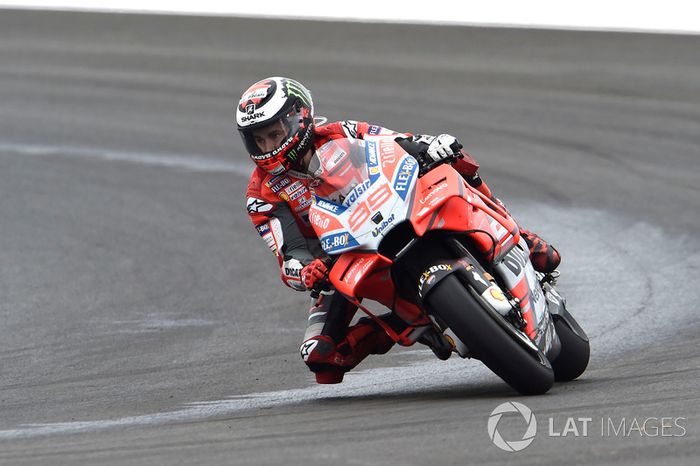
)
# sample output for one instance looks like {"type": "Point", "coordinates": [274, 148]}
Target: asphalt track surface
{"type": "Point", "coordinates": [143, 320]}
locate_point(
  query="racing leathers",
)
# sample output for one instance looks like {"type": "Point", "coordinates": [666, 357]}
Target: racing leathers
{"type": "Point", "coordinates": [279, 209]}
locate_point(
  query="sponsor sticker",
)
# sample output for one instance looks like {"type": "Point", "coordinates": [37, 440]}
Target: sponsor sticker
{"type": "Point", "coordinates": [329, 206]}
{"type": "Point", "coordinates": [304, 203]}
{"type": "Point", "coordinates": [319, 220]}
{"type": "Point", "coordinates": [383, 226]}
{"type": "Point", "coordinates": [296, 195]}
{"type": "Point", "coordinates": [253, 116]}
{"type": "Point", "coordinates": [263, 229]}
{"type": "Point", "coordinates": [372, 161]}
{"type": "Point", "coordinates": [429, 275]}
{"type": "Point", "coordinates": [277, 187]}
{"type": "Point", "coordinates": [388, 154]}
{"type": "Point", "coordinates": [430, 198]}
{"type": "Point", "coordinates": [371, 152]}
{"type": "Point", "coordinates": [294, 186]}
{"type": "Point", "coordinates": [356, 193]}
{"type": "Point", "coordinates": [404, 176]}
{"type": "Point", "coordinates": [337, 241]}
{"type": "Point", "coordinates": [497, 294]}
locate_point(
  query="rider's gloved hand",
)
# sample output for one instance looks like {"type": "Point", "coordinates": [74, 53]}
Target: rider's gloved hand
{"type": "Point", "coordinates": [442, 147]}
{"type": "Point", "coordinates": [291, 273]}
{"type": "Point", "coordinates": [313, 273]}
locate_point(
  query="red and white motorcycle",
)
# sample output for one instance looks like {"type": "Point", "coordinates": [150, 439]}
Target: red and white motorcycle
{"type": "Point", "coordinates": [442, 256]}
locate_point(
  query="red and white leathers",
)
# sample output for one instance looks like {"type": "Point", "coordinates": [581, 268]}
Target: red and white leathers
{"type": "Point", "coordinates": [279, 208]}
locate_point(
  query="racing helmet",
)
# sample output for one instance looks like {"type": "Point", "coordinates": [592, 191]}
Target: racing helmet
{"type": "Point", "coordinates": [280, 104]}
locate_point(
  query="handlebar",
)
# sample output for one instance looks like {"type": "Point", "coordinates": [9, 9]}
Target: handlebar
{"type": "Point", "coordinates": [457, 153]}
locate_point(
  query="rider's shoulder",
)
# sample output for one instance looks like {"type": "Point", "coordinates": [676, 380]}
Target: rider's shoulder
{"type": "Point", "coordinates": [260, 183]}
{"type": "Point", "coordinates": [257, 179]}
{"type": "Point", "coordinates": [344, 128]}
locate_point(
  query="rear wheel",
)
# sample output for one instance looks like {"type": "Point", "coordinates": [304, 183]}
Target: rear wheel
{"type": "Point", "coordinates": [454, 304]}
{"type": "Point", "coordinates": [574, 355]}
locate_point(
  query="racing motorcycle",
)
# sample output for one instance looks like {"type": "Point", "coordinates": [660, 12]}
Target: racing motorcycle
{"type": "Point", "coordinates": [445, 258]}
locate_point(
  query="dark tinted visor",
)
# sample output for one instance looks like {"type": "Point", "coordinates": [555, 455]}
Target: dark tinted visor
{"type": "Point", "coordinates": [267, 138]}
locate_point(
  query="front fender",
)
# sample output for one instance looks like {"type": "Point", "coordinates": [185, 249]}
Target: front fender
{"type": "Point", "coordinates": [436, 272]}
{"type": "Point", "coordinates": [487, 289]}
{"type": "Point", "coordinates": [557, 308]}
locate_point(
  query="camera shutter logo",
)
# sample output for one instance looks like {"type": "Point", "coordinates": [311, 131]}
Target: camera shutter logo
{"type": "Point", "coordinates": [512, 407]}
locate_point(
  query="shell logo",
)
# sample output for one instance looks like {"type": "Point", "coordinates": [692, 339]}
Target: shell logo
{"type": "Point", "coordinates": [497, 294]}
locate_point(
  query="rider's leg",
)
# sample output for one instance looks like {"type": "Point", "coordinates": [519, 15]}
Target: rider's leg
{"type": "Point", "coordinates": [544, 257]}
{"type": "Point", "coordinates": [331, 347]}
{"type": "Point", "coordinates": [364, 338]}
{"type": "Point", "coordinates": [329, 317]}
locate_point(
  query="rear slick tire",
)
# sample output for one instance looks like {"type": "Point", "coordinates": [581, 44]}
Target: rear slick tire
{"type": "Point", "coordinates": [574, 355]}
{"type": "Point", "coordinates": [453, 303]}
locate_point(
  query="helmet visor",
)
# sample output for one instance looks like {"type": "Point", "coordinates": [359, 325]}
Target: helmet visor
{"type": "Point", "coordinates": [270, 139]}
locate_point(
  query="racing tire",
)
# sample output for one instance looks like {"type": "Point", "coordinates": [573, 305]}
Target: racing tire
{"type": "Point", "coordinates": [455, 305]}
{"type": "Point", "coordinates": [574, 354]}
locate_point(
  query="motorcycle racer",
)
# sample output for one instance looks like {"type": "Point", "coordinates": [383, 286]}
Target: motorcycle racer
{"type": "Point", "coordinates": [275, 118]}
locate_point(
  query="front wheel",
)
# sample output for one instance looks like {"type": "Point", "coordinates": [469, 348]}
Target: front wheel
{"type": "Point", "coordinates": [453, 303]}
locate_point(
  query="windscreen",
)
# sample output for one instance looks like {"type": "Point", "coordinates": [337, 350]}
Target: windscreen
{"type": "Point", "coordinates": [340, 168]}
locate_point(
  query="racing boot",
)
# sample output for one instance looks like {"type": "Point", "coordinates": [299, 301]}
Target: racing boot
{"type": "Point", "coordinates": [437, 343]}
{"type": "Point", "coordinates": [330, 361]}
{"type": "Point", "coordinates": [544, 257]}
{"type": "Point", "coordinates": [319, 354]}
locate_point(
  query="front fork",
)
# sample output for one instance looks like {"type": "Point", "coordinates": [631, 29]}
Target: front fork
{"type": "Point", "coordinates": [501, 305]}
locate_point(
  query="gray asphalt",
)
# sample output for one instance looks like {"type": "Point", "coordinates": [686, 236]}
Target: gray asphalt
{"type": "Point", "coordinates": [142, 318]}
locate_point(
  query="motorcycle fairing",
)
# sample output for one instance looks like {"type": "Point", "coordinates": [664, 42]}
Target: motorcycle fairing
{"type": "Point", "coordinates": [440, 200]}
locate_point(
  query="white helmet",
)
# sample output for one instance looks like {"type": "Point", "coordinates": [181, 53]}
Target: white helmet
{"type": "Point", "coordinates": [271, 100]}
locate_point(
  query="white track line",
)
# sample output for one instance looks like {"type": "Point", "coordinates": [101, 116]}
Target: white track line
{"type": "Point", "coordinates": [185, 162]}
{"type": "Point", "coordinates": [413, 378]}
